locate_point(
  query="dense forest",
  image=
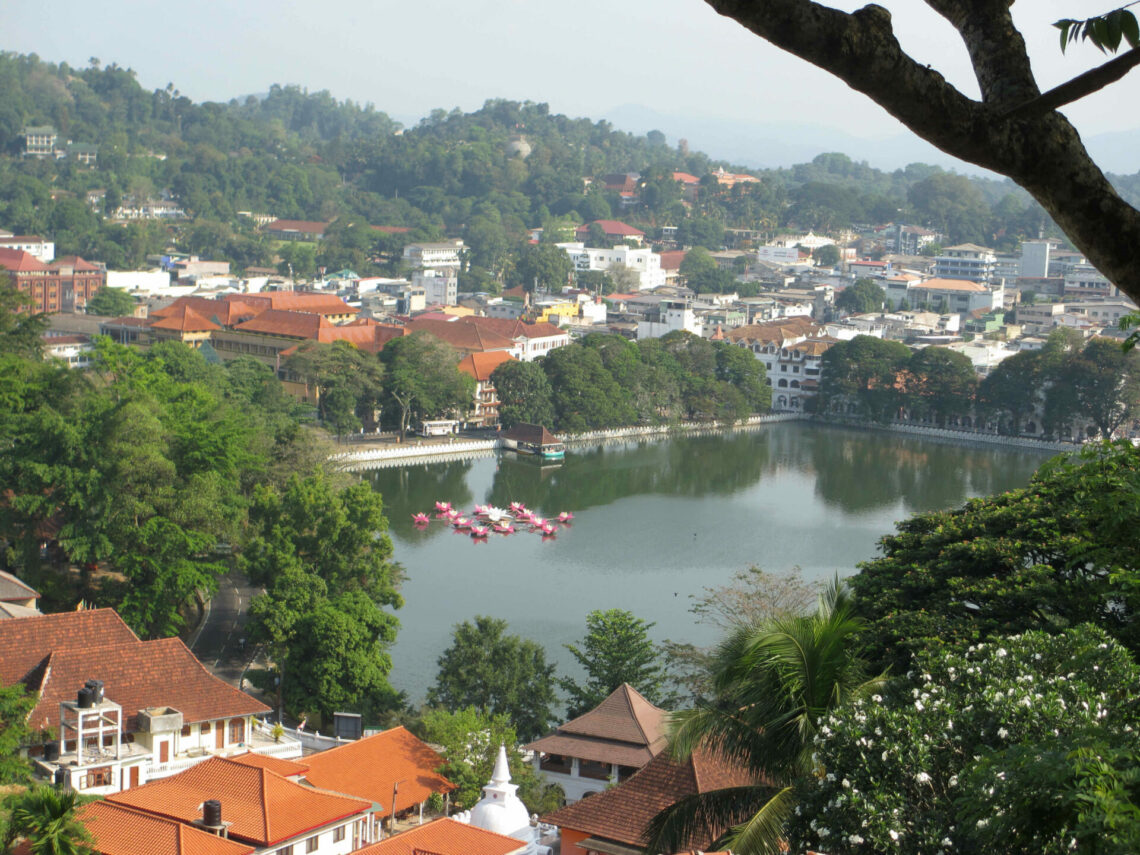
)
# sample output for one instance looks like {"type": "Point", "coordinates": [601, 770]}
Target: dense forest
{"type": "Point", "coordinates": [489, 176]}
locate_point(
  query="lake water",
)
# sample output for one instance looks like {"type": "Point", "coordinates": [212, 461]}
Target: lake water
{"type": "Point", "coordinates": [656, 521]}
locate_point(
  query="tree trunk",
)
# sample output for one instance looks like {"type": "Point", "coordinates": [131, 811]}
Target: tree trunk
{"type": "Point", "coordinates": [1009, 131]}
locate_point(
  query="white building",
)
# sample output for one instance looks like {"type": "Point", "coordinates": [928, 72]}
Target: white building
{"type": "Point", "coordinates": [668, 316]}
{"type": "Point", "coordinates": [502, 811]}
{"type": "Point", "coordinates": [444, 254]}
{"type": "Point", "coordinates": [643, 262]}
{"type": "Point", "coordinates": [1084, 280]}
{"type": "Point", "coordinates": [966, 261]}
{"type": "Point", "coordinates": [1035, 258]}
{"type": "Point", "coordinates": [960, 295]}
{"type": "Point", "coordinates": [141, 283]}
{"type": "Point", "coordinates": [43, 250]}
{"type": "Point", "coordinates": [440, 285]}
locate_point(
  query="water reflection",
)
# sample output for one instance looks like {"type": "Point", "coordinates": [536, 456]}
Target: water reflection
{"type": "Point", "coordinates": [409, 489]}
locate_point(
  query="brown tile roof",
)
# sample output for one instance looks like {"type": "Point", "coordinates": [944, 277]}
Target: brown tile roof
{"type": "Point", "coordinates": [951, 285]}
{"type": "Point", "coordinates": [13, 588]}
{"type": "Point", "coordinates": [284, 768]}
{"type": "Point", "coordinates": [264, 808]}
{"type": "Point", "coordinates": [613, 227]}
{"type": "Point", "coordinates": [296, 301]}
{"type": "Point", "coordinates": [279, 322]}
{"type": "Point", "coordinates": [773, 331]}
{"type": "Point", "coordinates": [624, 728]}
{"type": "Point", "coordinates": [445, 837]}
{"type": "Point", "coordinates": [671, 260]}
{"type": "Point", "coordinates": [119, 830]}
{"type": "Point", "coordinates": [370, 337]}
{"type": "Point", "coordinates": [137, 675]}
{"type": "Point", "coordinates": [20, 261]}
{"type": "Point", "coordinates": [622, 813]}
{"type": "Point", "coordinates": [482, 365]}
{"type": "Point", "coordinates": [462, 336]}
{"type": "Point", "coordinates": [532, 434]}
{"type": "Point", "coordinates": [369, 768]}
{"type": "Point", "coordinates": [392, 230]}
{"type": "Point", "coordinates": [27, 643]}
{"type": "Point", "coordinates": [76, 263]}
{"type": "Point", "coordinates": [228, 313]}
{"type": "Point", "coordinates": [304, 226]}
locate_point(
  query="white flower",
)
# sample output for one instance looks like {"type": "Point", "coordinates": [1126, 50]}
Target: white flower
{"type": "Point", "coordinates": [854, 838]}
{"type": "Point", "coordinates": [1002, 733]}
{"type": "Point", "coordinates": [946, 841]}
{"type": "Point", "coordinates": [918, 706]}
{"type": "Point", "coordinates": [894, 834]}
{"type": "Point", "coordinates": [1002, 652]}
{"type": "Point", "coordinates": [953, 781]}
{"type": "Point", "coordinates": [982, 823]}
{"type": "Point", "coordinates": [846, 784]}
{"type": "Point", "coordinates": [922, 778]}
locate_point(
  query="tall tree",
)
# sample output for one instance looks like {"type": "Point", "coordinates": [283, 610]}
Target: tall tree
{"type": "Point", "coordinates": [496, 673]}
{"type": "Point", "coordinates": [866, 372]}
{"type": "Point", "coordinates": [863, 296]}
{"type": "Point", "coordinates": [422, 379]}
{"type": "Point", "coordinates": [113, 302]}
{"type": "Point", "coordinates": [1015, 129]}
{"type": "Point", "coordinates": [616, 649]}
{"type": "Point", "coordinates": [940, 383]}
{"type": "Point", "coordinates": [524, 393]}
{"type": "Point", "coordinates": [544, 266]}
{"type": "Point", "coordinates": [774, 683]}
{"type": "Point", "coordinates": [15, 706]}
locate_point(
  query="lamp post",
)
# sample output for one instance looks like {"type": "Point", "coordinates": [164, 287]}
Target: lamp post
{"type": "Point", "coordinates": [395, 789]}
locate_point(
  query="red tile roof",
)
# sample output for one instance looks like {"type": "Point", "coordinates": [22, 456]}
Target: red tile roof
{"type": "Point", "coordinates": [303, 226]}
{"type": "Point", "coordinates": [512, 328]}
{"type": "Point", "coordinates": [264, 808]}
{"type": "Point", "coordinates": [624, 728]}
{"type": "Point", "coordinates": [392, 230]}
{"type": "Point", "coordinates": [119, 830]}
{"type": "Point", "coordinates": [296, 301]}
{"type": "Point", "coordinates": [369, 768]}
{"type": "Point", "coordinates": [76, 263]}
{"type": "Point", "coordinates": [286, 324]}
{"type": "Point", "coordinates": [622, 813]}
{"type": "Point", "coordinates": [686, 178]}
{"type": "Point", "coordinates": [27, 643]}
{"type": "Point", "coordinates": [482, 365]}
{"type": "Point", "coordinates": [185, 320]}
{"type": "Point", "coordinates": [462, 336]}
{"type": "Point", "coordinates": [19, 261]}
{"type": "Point", "coordinates": [370, 337]}
{"type": "Point", "coordinates": [671, 260]}
{"type": "Point", "coordinates": [228, 313]}
{"type": "Point", "coordinates": [445, 837]}
{"type": "Point", "coordinates": [137, 675]}
{"type": "Point", "coordinates": [284, 768]}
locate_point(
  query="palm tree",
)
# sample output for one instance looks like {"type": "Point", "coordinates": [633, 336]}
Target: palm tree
{"type": "Point", "coordinates": [773, 683]}
{"type": "Point", "coordinates": [45, 818]}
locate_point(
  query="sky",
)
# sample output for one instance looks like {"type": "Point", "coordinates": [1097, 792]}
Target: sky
{"type": "Point", "coordinates": [675, 62]}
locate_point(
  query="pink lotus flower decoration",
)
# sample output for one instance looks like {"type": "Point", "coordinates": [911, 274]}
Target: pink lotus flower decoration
{"type": "Point", "coordinates": [443, 507]}
{"type": "Point", "coordinates": [565, 516]}
{"type": "Point", "coordinates": [420, 519]}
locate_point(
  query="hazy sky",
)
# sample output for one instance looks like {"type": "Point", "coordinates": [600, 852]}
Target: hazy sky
{"type": "Point", "coordinates": [584, 58]}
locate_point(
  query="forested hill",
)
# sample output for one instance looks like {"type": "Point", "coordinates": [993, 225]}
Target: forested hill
{"type": "Point", "coordinates": [298, 155]}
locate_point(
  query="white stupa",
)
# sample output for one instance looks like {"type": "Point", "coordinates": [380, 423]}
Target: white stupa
{"type": "Point", "coordinates": [503, 812]}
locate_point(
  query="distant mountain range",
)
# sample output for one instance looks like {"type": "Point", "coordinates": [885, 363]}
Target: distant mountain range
{"type": "Point", "coordinates": [782, 144]}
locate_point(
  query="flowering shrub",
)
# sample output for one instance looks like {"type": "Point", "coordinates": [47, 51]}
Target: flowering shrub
{"type": "Point", "coordinates": [1024, 744]}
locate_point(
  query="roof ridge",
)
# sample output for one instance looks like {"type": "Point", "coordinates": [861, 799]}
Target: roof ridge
{"type": "Point", "coordinates": [264, 799]}
{"type": "Point", "coordinates": [632, 712]}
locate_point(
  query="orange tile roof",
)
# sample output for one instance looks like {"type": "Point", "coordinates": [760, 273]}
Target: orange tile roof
{"type": "Point", "coordinates": [137, 675]}
{"type": "Point", "coordinates": [671, 259]}
{"type": "Point", "coordinates": [225, 312]}
{"type": "Point", "coordinates": [284, 768]}
{"type": "Point", "coordinates": [482, 365]}
{"type": "Point", "coordinates": [622, 813]}
{"type": "Point", "coordinates": [286, 324]}
{"type": "Point", "coordinates": [20, 261]}
{"type": "Point", "coordinates": [370, 337]}
{"type": "Point", "coordinates": [951, 285]}
{"type": "Point", "coordinates": [27, 643]}
{"type": "Point", "coordinates": [119, 830]}
{"type": "Point", "coordinates": [264, 808]}
{"type": "Point", "coordinates": [296, 301]}
{"type": "Point", "coordinates": [614, 227]}
{"type": "Point", "coordinates": [686, 178]}
{"type": "Point", "coordinates": [462, 336]}
{"type": "Point", "coordinates": [307, 226]}
{"type": "Point", "coordinates": [185, 320]}
{"type": "Point", "coordinates": [77, 263]}
{"type": "Point", "coordinates": [445, 837]}
{"type": "Point", "coordinates": [369, 768]}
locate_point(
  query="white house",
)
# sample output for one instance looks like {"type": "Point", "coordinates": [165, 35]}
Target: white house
{"type": "Point", "coordinates": [644, 262]}
{"type": "Point", "coordinates": [669, 315]}
{"type": "Point", "coordinates": [444, 254]}
{"type": "Point", "coordinates": [440, 285]}
{"type": "Point", "coordinates": [43, 250]}
{"type": "Point", "coordinates": [966, 261]}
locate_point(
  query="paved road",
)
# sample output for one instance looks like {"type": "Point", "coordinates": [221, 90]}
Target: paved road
{"type": "Point", "coordinates": [220, 644]}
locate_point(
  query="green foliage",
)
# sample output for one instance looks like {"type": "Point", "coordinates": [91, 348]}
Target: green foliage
{"type": "Point", "coordinates": [864, 372]}
{"type": "Point", "coordinates": [524, 392]}
{"type": "Point", "coordinates": [470, 740]}
{"type": "Point", "coordinates": [1058, 553]}
{"type": "Point", "coordinates": [349, 380]}
{"type": "Point", "coordinates": [45, 818]}
{"type": "Point", "coordinates": [826, 255]}
{"type": "Point", "coordinates": [585, 395]}
{"type": "Point", "coordinates": [862, 297]}
{"type": "Point", "coordinates": [1104, 31]}
{"type": "Point", "coordinates": [112, 302]}
{"type": "Point", "coordinates": [15, 706]}
{"type": "Point", "coordinates": [498, 674]}
{"type": "Point", "coordinates": [1022, 744]}
{"type": "Point", "coordinates": [774, 682]}
{"type": "Point", "coordinates": [422, 380]}
{"type": "Point", "coordinates": [544, 266]}
{"type": "Point", "coordinates": [616, 649]}
{"type": "Point", "coordinates": [939, 383]}
{"type": "Point", "coordinates": [20, 328]}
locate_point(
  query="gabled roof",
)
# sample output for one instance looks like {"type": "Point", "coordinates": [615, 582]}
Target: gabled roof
{"type": "Point", "coordinates": [119, 830]}
{"type": "Point", "coordinates": [370, 767]}
{"type": "Point", "coordinates": [264, 808]}
{"type": "Point", "coordinates": [624, 728]}
{"type": "Point", "coordinates": [950, 285]}
{"type": "Point", "coordinates": [481, 365]}
{"type": "Point", "coordinates": [462, 336]}
{"type": "Point", "coordinates": [686, 178]}
{"type": "Point", "coordinates": [19, 261]}
{"type": "Point", "coordinates": [445, 837]}
{"type": "Point", "coordinates": [13, 588]}
{"type": "Point", "coordinates": [773, 331]}
{"type": "Point", "coordinates": [227, 313]}
{"type": "Point", "coordinates": [185, 320]}
{"type": "Point", "coordinates": [296, 301]}
{"type": "Point", "coordinates": [303, 226]}
{"type": "Point", "coordinates": [366, 336]}
{"type": "Point", "coordinates": [512, 328]}
{"type": "Point", "coordinates": [532, 434]}
{"type": "Point", "coordinates": [286, 324]}
{"type": "Point", "coordinates": [76, 263]}
{"type": "Point", "coordinates": [27, 643]}
{"type": "Point", "coordinates": [137, 675]}
{"type": "Point", "coordinates": [284, 768]}
{"type": "Point", "coordinates": [614, 227]}
{"type": "Point", "coordinates": [621, 813]}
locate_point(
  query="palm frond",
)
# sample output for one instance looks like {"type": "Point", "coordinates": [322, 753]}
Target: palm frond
{"type": "Point", "coordinates": [701, 818]}
{"type": "Point", "coordinates": [763, 832]}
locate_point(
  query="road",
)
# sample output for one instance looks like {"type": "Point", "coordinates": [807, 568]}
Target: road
{"type": "Point", "coordinates": [221, 643]}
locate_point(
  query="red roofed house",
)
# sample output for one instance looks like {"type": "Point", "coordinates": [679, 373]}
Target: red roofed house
{"type": "Point", "coordinates": [447, 837]}
{"type": "Point", "coordinates": [184, 324]}
{"type": "Point", "coordinates": [602, 747]}
{"type": "Point", "coordinates": [390, 764]}
{"type": "Point", "coordinates": [295, 230]}
{"type": "Point", "coordinates": [257, 807]}
{"type": "Point", "coordinates": [614, 230]}
{"type": "Point", "coordinates": [480, 366]}
{"type": "Point", "coordinates": [613, 822]}
{"type": "Point", "coordinates": [127, 711]}
{"type": "Point", "coordinates": [119, 830]}
{"type": "Point", "coordinates": [62, 286]}
{"type": "Point", "coordinates": [466, 337]}
{"type": "Point", "coordinates": [534, 340]}
{"type": "Point", "coordinates": [690, 185]}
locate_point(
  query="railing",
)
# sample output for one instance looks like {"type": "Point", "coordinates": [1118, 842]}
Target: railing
{"type": "Point", "coordinates": [961, 434]}
{"type": "Point", "coordinates": [407, 451]}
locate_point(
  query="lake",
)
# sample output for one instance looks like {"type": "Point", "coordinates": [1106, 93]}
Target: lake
{"type": "Point", "coordinates": [656, 521]}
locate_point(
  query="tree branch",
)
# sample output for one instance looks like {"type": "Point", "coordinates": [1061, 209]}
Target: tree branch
{"type": "Point", "coordinates": [1085, 84]}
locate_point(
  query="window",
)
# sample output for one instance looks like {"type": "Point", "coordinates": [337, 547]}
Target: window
{"type": "Point", "coordinates": [312, 844]}
{"type": "Point", "coordinates": [205, 727]}
{"type": "Point", "coordinates": [285, 850]}
{"type": "Point", "coordinates": [338, 834]}
{"type": "Point", "coordinates": [185, 730]}
{"type": "Point", "coordinates": [97, 778]}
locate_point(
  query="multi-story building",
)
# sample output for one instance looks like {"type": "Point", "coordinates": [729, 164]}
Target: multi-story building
{"type": "Point", "coordinates": [960, 295]}
{"type": "Point", "coordinates": [644, 263]}
{"type": "Point", "coordinates": [670, 315]}
{"type": "Point", "coordinates": [440, 285]}
{"type": "Point", "coordinates": [43, 250]}
{"type": "Point", "coordinates": [62, 286]}
{"type": "Point", "coordinates": [440, 255]}
{"type": "Point", "coordinates": [1035, 259]}
{"type": "Point", "coordinates": [40, 141]}
{"type": "Point", "coordinates": [1084, 280]}
{"type": "Point", "coordinates": [966, 261]}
